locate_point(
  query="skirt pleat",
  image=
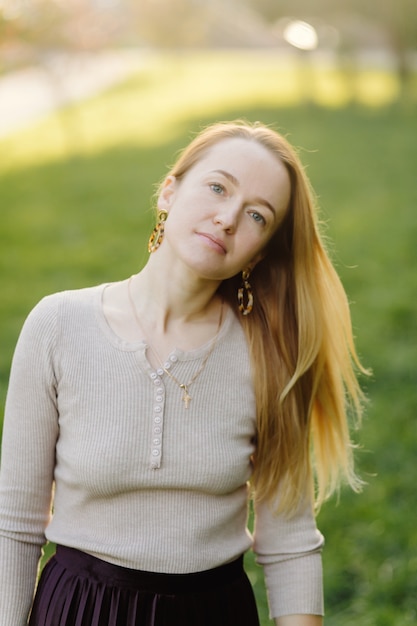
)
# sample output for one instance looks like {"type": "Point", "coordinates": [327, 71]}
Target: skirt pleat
{"type": "Point", "coordinates": [77, 589]}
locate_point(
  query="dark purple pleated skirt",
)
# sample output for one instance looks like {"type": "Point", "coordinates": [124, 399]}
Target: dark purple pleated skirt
{"type": "Point", "coordinates": [77, 589]}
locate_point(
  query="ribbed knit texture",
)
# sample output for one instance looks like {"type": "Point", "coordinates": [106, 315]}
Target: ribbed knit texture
{"type": "Point", "coordinates": [140, 481]}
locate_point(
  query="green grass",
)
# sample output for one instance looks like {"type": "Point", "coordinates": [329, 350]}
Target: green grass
{"type": "Point", "coordinates": [75, 197]}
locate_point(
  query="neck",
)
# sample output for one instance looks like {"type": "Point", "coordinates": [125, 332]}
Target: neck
{"type": "Point", "coordinates": [184, 385]}
{"type": "Point", "coordinates": [168, 298]}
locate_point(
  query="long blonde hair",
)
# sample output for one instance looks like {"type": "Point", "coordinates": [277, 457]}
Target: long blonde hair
{"type": "Point", "coordinates": [300, 340]}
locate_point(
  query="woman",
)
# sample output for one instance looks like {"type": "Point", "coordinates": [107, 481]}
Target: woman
{"type": "Point", "coordinates": [142, 409]}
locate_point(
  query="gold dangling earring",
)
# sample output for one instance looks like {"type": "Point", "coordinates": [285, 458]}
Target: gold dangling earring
{"type": "Point", "coordinates": [244, 293]}
{"type": "Point", "coordinates": [157, 234]}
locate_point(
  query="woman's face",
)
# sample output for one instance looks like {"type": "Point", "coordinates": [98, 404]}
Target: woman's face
{"type": "Point", "coordinates": [226, 208]}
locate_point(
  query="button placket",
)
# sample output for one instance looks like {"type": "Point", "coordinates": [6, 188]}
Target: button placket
{"type": "Point", "coordinates": [157, 420]}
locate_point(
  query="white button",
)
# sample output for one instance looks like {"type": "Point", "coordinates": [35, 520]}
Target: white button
{"type": "Point", "coordinates": [155, 452]}
{"type": "Point", "coordinates": [157, 381]}
{"type": "Point", "coordinates": [157, 409]}
{"type": "Point", "coordinates": [160, 390]}
{"type": "Point", "coordinates": [159, 398]}
{"type": "Point", "coordinates": [160, 371]}
{"type": "Point", "coordinates": [167, 365]}
{"type": "Point", "coordinates": [173, 358]}
{"type": "Point", "coordinates": [153, 375]}
{"type": "Point", "coordinates": [157, 430]}
{"type": "Point", "coordinates": [157, 420]}
{"type": "Point", "coordinates": [156, 441]}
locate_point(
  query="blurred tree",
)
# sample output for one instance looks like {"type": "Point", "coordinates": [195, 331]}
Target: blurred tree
{"type": "Point", "coordinates": [89, 24]}
{"type": "Point", "coordinates": [396, 21]}
{"type": "Point", "coordinates": [196, 23]}
{"type": "Point", "coordinates": [168, 24]}
{"type": "Point", "coordinates": [400, 19]}
{"type": "Point", "coordinates": [43, 25]}
{"type": "Point", "coordinates": [51, 25]}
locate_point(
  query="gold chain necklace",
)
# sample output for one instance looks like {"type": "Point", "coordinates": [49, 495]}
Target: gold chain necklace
{"type": "Point", "coordinates": [186, 398]}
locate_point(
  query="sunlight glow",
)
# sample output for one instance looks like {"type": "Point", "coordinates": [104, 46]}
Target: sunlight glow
{"type": "Point", "coordinates": [301, 35]}
{"type": "Point", "coordinates": [158, 101]}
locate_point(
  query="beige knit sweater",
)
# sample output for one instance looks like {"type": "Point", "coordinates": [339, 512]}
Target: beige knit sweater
{"type": "Point", "coordinates": [137, 479]}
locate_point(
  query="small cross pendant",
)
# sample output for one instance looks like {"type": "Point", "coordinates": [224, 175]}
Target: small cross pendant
{"type": "Point", "coordinates": [185, 396]}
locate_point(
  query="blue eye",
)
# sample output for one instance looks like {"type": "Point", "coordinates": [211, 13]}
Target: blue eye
{"type": "Point", "coordinates": [257, 217]}
{"type": "Point", "coordinates": [217, 188]}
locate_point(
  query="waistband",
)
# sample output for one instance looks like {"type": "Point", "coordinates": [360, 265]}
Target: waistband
{"type": "Point", "coordinates": [87, 566]}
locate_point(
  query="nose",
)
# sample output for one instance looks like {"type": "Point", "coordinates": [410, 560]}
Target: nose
{"type": "Point", "coordinates": [227, 217]}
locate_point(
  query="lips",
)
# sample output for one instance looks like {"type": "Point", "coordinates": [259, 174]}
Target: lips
{"type": "Point", "coordinates": [214, 242]}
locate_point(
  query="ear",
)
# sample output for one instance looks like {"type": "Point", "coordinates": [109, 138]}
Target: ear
{"type": "Point", "coordinates": [167, 193]}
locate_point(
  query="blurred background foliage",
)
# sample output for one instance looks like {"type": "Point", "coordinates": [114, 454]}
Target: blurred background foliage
{"type": "Point", "coordinates": [76, 191]}
{"type": "Point", "coordinates": [347, 29]}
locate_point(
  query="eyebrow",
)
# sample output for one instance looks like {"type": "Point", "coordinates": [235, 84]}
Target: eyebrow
{"type": "Point", "coordinates": [235, 181]}
{"type": "Point", "coordinates": [228, 175]}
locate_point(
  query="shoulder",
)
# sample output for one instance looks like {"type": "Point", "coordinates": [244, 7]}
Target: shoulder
{"type": "Point", "coordinates": [233, 334]}
{"type": "Point", "coordinates": [62, 301]}
{"type": "Point", "coordinates": [52, 310]}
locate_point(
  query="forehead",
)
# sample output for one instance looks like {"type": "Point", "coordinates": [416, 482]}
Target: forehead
{"type": "Point", "coordinates": [239, 150]}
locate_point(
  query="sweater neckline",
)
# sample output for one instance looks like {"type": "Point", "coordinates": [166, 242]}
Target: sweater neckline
{"type": "Point", "coordinates": [141, 345]}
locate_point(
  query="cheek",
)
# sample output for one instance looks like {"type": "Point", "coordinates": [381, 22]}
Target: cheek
{"type": "Point", "coordinates": [187, 210]}
{"type": "Point", "coordinates": [179, 221]}
{"type": "Point", "coordinates": [256, 237]}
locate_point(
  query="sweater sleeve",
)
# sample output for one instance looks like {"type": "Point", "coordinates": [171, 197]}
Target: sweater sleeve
{"type": "Point", "coordinates": [27, 462]}
{"type": "Point", "coordinates": [289, 549]}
